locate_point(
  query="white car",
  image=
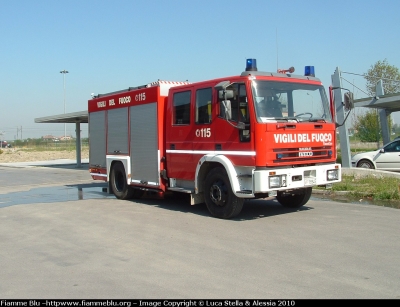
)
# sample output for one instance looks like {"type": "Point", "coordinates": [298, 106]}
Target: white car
{"type": "Point", "coordinates": [387, 158]}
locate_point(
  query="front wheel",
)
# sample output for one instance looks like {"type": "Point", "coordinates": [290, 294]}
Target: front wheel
{"type": "Point", "coordinates": [294, 199]}
{"type": "Point", "coordinates": [365, 164]}
{"type": "Point", "coordinates": [219, 197]}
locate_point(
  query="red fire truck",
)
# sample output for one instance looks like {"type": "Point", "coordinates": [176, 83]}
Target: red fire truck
{"type": "Point", "coordinates": [223, 141]}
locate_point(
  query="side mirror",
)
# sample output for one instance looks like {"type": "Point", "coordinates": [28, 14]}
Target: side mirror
{"type": "Point", "coordinates": [225, 94]}
{"type": "Point", "coordinates": [348, 101]}
{"type": "Point", "coordinates": [226, 111]}
{"type": "Point", "coordinates": [222, 85]}
{"type": "Point", "coordinates": [225, 104]}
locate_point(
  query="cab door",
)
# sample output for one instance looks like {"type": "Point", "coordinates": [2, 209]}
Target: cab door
{"type": "Point", "coordinates": [179, 135]}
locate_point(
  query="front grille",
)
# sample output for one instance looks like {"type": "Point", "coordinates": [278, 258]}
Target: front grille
{"type": "Point", "coordinates": [302, 154]}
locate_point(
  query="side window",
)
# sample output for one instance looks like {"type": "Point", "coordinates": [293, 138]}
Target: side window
{"type": "Point", "coordinates": [182, 108]}
{"type": "Point", "coordinates": [243, 105]}
{"type": "Point", "coordinates": [203, 106]}
{"type": "Point", "coordinates": [394, 147]}
{"type": "Point", "coordinates": [244, 135]}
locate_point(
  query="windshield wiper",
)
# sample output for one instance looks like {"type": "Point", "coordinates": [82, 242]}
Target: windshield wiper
{"type": "Point", "coordinates": [283, 118]}
{"type": "Point", "coordinates": [293, 118]}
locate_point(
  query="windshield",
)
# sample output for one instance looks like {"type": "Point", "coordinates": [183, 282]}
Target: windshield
{"type": "Point", "coordinates": [290, 101]}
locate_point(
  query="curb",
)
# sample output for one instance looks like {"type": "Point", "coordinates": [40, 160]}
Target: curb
{"type": "Point", "coordinates": [365, 172]}
{"type": "Point", "coordinates": [356, 172]}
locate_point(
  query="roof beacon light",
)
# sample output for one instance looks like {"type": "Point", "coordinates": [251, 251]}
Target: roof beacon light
{"type": "Point", "coordinates": [251, 65]}
{"type": "Point", "coordinates": [309, 71]}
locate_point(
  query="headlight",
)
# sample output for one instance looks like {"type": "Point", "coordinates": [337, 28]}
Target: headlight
{"type": "Point", "coordinates": [275, 182]}
{"type": "Point", "coordinates": [332, 175]}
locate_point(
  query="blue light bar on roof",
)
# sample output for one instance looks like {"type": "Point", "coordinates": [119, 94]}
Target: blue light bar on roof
{"type": "Point", "coordinates": [251, 65]}
{"type": "Point", "coordinates": [309, 71]}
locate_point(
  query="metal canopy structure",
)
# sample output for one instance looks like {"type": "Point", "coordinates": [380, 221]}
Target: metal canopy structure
{"type": "Point", "coordinates": [390, 102]}
{"type": "Point", "coordinates": [69, 118]}
{"type": "Point", "coordinates": [385, 104]}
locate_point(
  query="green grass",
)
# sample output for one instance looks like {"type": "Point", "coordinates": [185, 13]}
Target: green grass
{"type": "Point", "coordinates": [384, 188]}
{"type": "Point", "coordinates": [376, 190]}
{"type": "Point", "coordinates": [372, 187]}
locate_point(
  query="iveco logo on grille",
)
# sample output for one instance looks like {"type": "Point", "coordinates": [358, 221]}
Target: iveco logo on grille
{"type": "Point", "coordinates": [305, 153]}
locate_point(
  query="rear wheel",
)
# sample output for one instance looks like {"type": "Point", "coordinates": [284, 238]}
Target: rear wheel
{"type": "Point", "coordinates": [119, 185]}
{"type": "Point", "coordinates": [294, 199]}
{"type": "Point", "coordinates": [219, 197]}
{"type": "Point", "coordinates": [365, 164]}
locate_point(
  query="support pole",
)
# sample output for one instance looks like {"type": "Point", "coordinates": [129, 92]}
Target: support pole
{"type": "Point", "coordinates": [78, 145]}
{"type": "Point", "coordinates": [340, 117]}
{"type": "Point", "coordinates": [383, 114]}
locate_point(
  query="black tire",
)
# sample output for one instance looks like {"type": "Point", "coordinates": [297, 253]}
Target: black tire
{"type": "Point", "coordinates": [218, 195]}
{"type": "Point", "coordinates": [365, 164]}
{"type": "Point", "coordinates": [294, 199]}
{"type": "Point", "coordinates": [119, 186]}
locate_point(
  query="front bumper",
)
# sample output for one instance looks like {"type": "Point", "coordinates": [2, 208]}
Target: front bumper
{"type": "Point", "coordinates": [295, 178]}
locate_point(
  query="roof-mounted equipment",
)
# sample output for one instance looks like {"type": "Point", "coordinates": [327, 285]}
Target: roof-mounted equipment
{"type": "Point", "coordinates": [309, 71]}
{"type": "Point", "coordinates": [251, 65]}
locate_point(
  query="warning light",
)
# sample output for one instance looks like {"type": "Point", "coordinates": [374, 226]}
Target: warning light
{"type": "Point", "coordinates": [285, 71]}
{"type": "Point", "coordinates": [251, 65]}
{"type": "Point", "coordinates": [309, 71]}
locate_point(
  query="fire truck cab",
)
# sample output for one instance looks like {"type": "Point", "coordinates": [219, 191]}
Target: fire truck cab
{"type": "Point", "coordinates": [254, 135]}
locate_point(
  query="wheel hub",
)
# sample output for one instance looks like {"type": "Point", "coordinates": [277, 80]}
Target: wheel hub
{"type": "Point", "coordinates": [218, 193]}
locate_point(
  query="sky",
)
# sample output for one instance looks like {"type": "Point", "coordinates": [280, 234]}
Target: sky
{"type": "Point", "coordinates": [111, 45]}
